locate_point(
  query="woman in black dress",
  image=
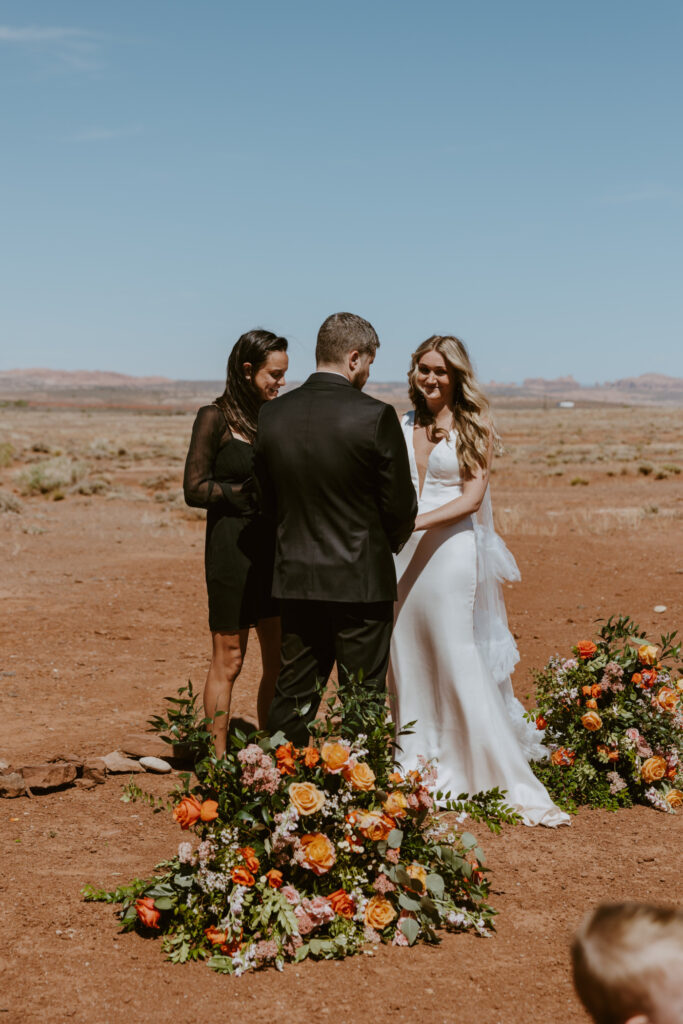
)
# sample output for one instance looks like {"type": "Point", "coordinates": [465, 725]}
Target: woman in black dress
{"type": "Point", "coordinates": [239, 542]}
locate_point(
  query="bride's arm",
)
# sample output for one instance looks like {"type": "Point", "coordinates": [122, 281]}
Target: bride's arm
{"type": "Point", "coordinates": [473, 491]}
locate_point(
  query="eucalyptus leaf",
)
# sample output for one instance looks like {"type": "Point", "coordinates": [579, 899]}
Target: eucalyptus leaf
{"type": "Point", "coordinates": [407, 902]}
{"type": "Point", "coordinates": [163, 903]}
{"type": "Point", "coordinates": [435, 884]}
{"type": "Point", "coordinates": [410, 929]}
{"type": "Point", "coordinates": [468, 840]}
{"type": "Point", "coordinates": [395, 838]}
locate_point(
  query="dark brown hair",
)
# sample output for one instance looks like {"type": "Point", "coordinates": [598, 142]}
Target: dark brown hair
{"type": "Point", "coordinates": [343, 333]}
{"type": "Point", "coordinates": [240, 402]}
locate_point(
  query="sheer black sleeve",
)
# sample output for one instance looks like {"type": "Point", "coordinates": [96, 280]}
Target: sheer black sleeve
{"type": "Point", "coordinates": [200, 489]}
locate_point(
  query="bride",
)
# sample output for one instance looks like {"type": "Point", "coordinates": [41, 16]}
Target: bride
{"type": "Point", "coordinates": [451, 651]}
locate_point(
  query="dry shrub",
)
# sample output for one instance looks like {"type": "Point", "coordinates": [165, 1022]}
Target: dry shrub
{"type": "Point", "coordinates": [6, 454]}
{"type": "Point", "coordinates": [52, 475]}
{"type": "Point", "coordinates": [10, 503]}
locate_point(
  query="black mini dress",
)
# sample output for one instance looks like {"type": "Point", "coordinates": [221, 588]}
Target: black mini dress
{"type": "Point", "coordinates": [240, 542]}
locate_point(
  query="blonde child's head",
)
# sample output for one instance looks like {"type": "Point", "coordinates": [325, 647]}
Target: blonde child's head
{"type": "Point", "coordinates": [628, 964]}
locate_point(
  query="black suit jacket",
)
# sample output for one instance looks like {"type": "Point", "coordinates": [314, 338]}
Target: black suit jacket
{"type": "Point", "coordinates": [332, 468]}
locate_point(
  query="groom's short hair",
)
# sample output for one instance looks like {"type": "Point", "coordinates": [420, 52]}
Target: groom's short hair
{"type": "Point", "coordinates": [620, 953]}
{"type": "Point", "coordinates": [343, 333]}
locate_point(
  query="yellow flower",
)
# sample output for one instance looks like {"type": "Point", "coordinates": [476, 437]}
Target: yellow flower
{"type": "Point", "coordinates": [379, 913]}
{"type": "Point", "coordinates": [647, 654]}
{"type": "Point", "coordinates": [360, 775]}
{"type": "Point", "coordinates": [395, 804]}
{"type": "Point", "coordinates": [674, 798]}
{"type": "Point", "coordinates": [654, 769]}
{"type": "Point", "coordinates": [591, 721]}
{"type": "Point", "coordinates": [306, 797]}
{"type": "Point", "coordinates": [419, 873]}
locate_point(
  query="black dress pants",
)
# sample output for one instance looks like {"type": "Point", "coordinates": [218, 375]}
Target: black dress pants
{"type": "Point", "coordinates": [315, 634]}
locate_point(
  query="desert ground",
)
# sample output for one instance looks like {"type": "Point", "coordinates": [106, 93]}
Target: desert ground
{"type": "Point", "coordinates": [104, 614]}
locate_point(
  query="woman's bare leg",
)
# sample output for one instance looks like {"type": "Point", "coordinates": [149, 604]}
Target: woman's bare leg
{"type": "Point", "coordinates": [269, 633]}
{"type": "Point", "coordinates": [226, 664]}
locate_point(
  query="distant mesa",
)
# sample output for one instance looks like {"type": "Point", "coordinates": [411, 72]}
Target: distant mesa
{"type": "Point", "coordinates": [43, 378]}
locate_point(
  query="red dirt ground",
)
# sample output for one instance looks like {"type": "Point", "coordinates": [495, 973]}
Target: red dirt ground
{"type": "Point", "coordinates": [104, 615]}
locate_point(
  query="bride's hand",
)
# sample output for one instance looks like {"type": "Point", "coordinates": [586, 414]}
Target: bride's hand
{"type": "Point", "coordinates": [418, 523]}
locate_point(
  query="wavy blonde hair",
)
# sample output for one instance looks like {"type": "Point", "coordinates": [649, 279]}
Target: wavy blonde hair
{"type": "Point", "coordinates": [471, 415]}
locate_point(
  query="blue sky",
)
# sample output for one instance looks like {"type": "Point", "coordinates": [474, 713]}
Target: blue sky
{"type": "Point", "coordinates": [173, 174]}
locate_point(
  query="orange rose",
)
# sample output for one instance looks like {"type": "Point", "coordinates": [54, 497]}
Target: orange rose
{"type": "Point", "coordinates": [419, 873]}
{"type": "Point", "coordinates": [609, 753]}
{"type": "Point", "coordinates": [647, 654]}
{"type": "Point", "coordinates": [284, 755]}
{"type": "Point", "coordinates": [591, 721]}
{"type": "Point", "coordinates": [596, 690]}
{"type": "Point", "coordinates": [209, 811]}
{"type": "Point", "coordinates": [242, 876]}
{"type": "Point", "coordinates": [636, 679]}
{"type": "Point", "coordinates": [319, 855]}
{"type": "Point", "coordinates": [311, 756]}
{"type": "Point", "coordinates": [360, 775]}
{"type": "Point", "coordinates": [587, 691]}
{"type": "Point", "coordinates": [654, 769]}
{"type": "Point", "coordinates": [396, 778]}
{"type": "Point", "coordinates": [395, 804]}
{"type": "Point", "coordinates": [306, 797]}
{"type": "Point", "coordinates": [667, 699]}
{"type": "Point", "coordinates": [378, 913]}
{"type": "Point", "coordinates": [250, 859]}
{"type": "Point", "coordinates": [187, 812]}
{"type": "Point", "coordinates": [215, 936]}
{"type": "Point", "coordinates": [228, 948]}
{"type": "Point", "coordinates": [586, 649]}
{"type": "Point", "coordinates": [374, 825]}
{"type": "Point", "coordinates": [275, 878]}
{"type": "Point", "coordinates": [342, 903]}
{"type": "Point", "coordinates": [674, 798]}
{"type": "Point", "coordinates": [562, 757]}
{"type": "Point", "coordinates": [591, 703]}
{"type": "Point", "coordinates": [147, 912]}
{"type": "Point", "coordinates": [541, 722]}
{"type": "Point", "coordinates": [648, 678]}
{"type": "Point", "coordinates": [335, 756]}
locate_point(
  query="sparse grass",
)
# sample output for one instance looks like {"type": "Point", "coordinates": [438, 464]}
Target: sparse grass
{"type": "Point", "coordinates": [672, 469]}
{"type": "Point", "coordinates": [579, 481]}
{"type": "Point", "coordinates": [6, 454]}
{"type": "Point", "coordinates": [52, 475]}
{"type": "Point", "coordinates": [644, 469]}
{"type": "Point", "coordinates": [10, 503]}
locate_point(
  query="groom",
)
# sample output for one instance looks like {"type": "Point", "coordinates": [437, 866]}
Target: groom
{"type": "Point", "coordinates": [333, 471]}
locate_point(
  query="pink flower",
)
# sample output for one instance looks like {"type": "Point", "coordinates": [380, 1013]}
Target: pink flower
{"type": "Point", "coordinates": [266, 950]}
{"type": "Point", "coordinates": [382, 884]}
{"type": "Point", "coordinates": [371, 935]}
{"type": "Point", "coordinates": [318, 909]}
{"type": "Point", "coordinates": [424, 799]}
{"type": "Point", "coordinates": [305, 923]}
{"type": "Point", "coordinates": [393, 856]}
{"type": "Point", "coordinates": [399, 939]}
{"type": "Point", "coordinates": [291, 895]}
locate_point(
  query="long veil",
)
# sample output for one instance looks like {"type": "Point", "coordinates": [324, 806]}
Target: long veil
{"type": "Point", "coordinates": [495, 563]}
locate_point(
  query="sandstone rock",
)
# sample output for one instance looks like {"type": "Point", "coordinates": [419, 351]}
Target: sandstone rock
{"type": "Point", "coordinates": [48, 776]}
{"type": "Point", "coordinates": [4, 765]}
{"type": "Point", "coordinates": [155, 764]}
{"type": "Point", "coordinates": [12, 785]}
{"type": "Point", "coordinates": [85, 783]}
{"type": "Point", "coordinates": [73, 759]}
{"type": "Point", "coordinates": [117, 763]}
{"type": "Point", "coordinates": [94, 771]}
{"type": "Point", "coordinates": [144, 744]}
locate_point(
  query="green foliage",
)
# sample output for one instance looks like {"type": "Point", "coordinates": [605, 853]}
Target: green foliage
{"type": "Point", "coordinates": [184, 724]}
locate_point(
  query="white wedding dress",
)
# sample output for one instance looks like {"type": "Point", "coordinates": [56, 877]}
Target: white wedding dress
{"type": "Point", "coordinates": [452, 653]}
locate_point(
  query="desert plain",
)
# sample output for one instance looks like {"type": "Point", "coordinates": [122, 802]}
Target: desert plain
{"type": "Point", "coordinates": [104, 615]}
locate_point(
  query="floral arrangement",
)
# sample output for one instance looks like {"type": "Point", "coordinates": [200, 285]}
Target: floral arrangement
{"type": "Point", "coordinates": [613, 721]}
{"type": "Point", "coordinates": [313, 852]}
